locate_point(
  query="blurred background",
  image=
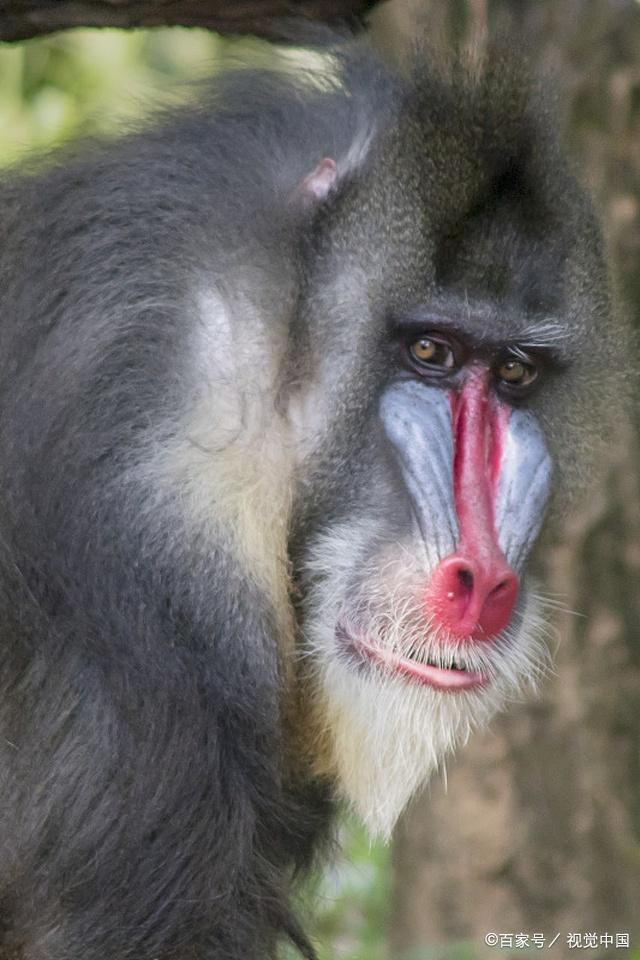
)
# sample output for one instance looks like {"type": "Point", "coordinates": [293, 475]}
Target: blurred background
{"type": "Point", "coordinates": [536, 830]}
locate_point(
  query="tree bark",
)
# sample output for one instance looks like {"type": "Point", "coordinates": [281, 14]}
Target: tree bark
{"type": "Point", "coordinates": [540, 828]}
{"type": "Point", "coordinates": [20, 19]}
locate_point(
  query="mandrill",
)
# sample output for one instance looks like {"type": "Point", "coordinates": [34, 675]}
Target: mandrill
{"type": "Point", "coordinates": [288, 378]}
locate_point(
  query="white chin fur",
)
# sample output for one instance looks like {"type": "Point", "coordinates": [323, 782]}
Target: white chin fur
{"type": "Point", "coordinates": [390, 733]}
{"type": "Point", "coordinates": [388, 737]}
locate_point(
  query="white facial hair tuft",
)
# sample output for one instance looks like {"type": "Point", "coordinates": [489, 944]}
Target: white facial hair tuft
{"type": "Point", "coordinates": [390, 734]}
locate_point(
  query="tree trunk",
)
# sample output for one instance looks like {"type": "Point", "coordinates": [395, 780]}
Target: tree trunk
{"type": "Point", "coordinates": [20, 19]}
{"type": "Point", "coordinates": [539, 831]}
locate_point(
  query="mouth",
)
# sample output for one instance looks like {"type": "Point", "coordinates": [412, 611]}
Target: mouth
{"type": "Point", "coordinates": [451, 679]}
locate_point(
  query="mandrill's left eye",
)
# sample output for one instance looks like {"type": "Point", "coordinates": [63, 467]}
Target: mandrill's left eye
{"type": "Point", "coordinates": [433, 355]}
{"type": "Point", "coordinates": [514, 372]}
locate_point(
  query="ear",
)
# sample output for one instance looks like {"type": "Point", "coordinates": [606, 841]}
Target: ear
{"type": "Point", "coordinates": [330, 172]}
{"type": "Point", "coordinates": [317, 185]}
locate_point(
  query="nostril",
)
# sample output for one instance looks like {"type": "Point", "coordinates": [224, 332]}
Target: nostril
{"type": "Point", "coordinates": [499, 589]}
{"type": "Point", "coordinates": [465, 577]}
{"type": "Point", "coordinates": [498, 605]}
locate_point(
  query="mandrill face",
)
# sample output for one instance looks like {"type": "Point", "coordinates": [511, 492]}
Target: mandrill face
{"type": "Point", "coordinates": [440, 414]}
{"type": "Point", "coordinates": [419, 622]}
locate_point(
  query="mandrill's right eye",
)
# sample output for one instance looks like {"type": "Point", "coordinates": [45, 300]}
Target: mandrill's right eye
{"type": "Point", "coordinates": [432, 355]}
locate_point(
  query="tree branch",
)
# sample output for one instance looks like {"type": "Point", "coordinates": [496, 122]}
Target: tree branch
{"type": "Point", "coordinates": [21, 19]}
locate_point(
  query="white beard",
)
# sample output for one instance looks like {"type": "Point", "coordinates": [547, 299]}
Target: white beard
{"type": "Point", "coordinates": [388, 733]}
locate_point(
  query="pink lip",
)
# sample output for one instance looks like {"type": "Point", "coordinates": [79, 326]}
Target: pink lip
{"type": "Point", "coordinates": [436, 677]}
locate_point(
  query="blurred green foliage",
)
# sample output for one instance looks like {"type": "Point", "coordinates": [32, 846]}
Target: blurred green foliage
{"type": "Point", "coordinates": [91, 81]}
{"type": "Point", "coordinates": [351, 901]}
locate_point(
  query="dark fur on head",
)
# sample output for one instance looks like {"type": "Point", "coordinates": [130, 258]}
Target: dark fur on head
{"type": "Point", "coordinates": [150, 810]}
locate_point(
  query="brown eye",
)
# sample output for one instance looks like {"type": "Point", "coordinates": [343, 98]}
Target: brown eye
{"type": "Point", "coordinates": [517, 373]}
{"type": "Point", "coordinates": [434, 354]}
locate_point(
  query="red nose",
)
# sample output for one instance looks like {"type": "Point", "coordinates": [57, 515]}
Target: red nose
{"type": "Point", "coordinates": [472, 592]}
{"type": "Point", "coordinates": [471, 599]}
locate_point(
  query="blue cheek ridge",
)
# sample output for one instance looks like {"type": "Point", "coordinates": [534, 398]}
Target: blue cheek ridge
{"type": "Point", "coordinates": [417, 421]}
{"type": "Point", "coordinates": [524, 485]}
